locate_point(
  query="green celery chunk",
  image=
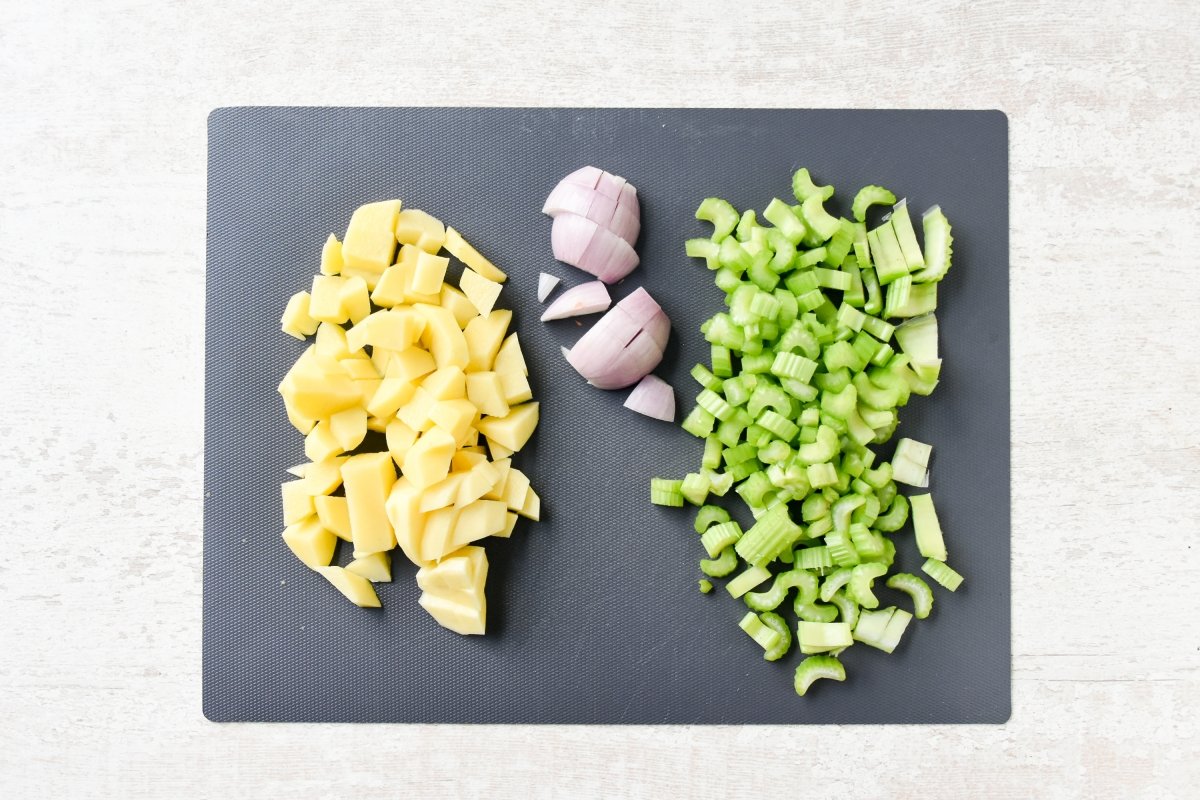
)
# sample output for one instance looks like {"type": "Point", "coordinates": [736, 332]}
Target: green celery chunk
{"type": "Point", "coordinates": [813, 558]}
{"type": "Point", "coordinates": [938, 243]}
{"type": "Point", "coordinates": [721, 214]}
{"type": "Point", "coordinates": [889, 261]}
{"type": "Point", "coordinates": [847, 608]}
{"type": "Point", "coordinates": [705, 586]}
{"type": "Point", "coordinates": [780, 214]}
{"type": "Point", "coordinates": [773, 532]}
{"type": "Point", "coordinates": [705, 378]}
{"type": "Point", "coordinates": [910, 462]}
{"type": "Point", "coordinates": [895, 629]}
{"type": "Point", "coordinates": [906, 237]}
{"type": "Point", "coordinates": [915, 588]}
{"type": "Point", "coordinates": [747, 580]}
{"type": "Point", "coordinates": [695, 488]}
{"type": "Point", "coordinates": [764, 636]}
{"type": "Point", "coordinates": [896, 296]}
{"type": "Point", "coordinates": [804, 188]}
{"type": "Point", "coordinates": [722, 363]}
{"type": "Point", "coordinates": [874, 302]}
{"type": "Point", "coordinates": [712, 453]}
{"type": "Point", "coordinates": [942, 573]}
{"type": "Point", "coordinates": [664, 492]}
{"type": "Point", "coordinates": [859, 586]}
{"type": "Point", "coordinates": [814, 668]}
{"type": "Point", "coordinates": [794, 578]}
{"type": "Point", "coordinates": [724, 564]}
{"type": "Point", "coordinates": [820, 637]}
{"type": "Point", "coordinates": [832, 279]}
{"type": "Point", "coordinates": [921, 299]}
{"type": "Point", "coordinates": [704, 248]}
{"type": "Point", "coordinates": [776, 623]}
{"type": "Point", "coordinates": [872, 625]}
{"type": "Point", "coordinates": [746, 224]}
{"type": "Point", "coordinates": [710, 515]}
{"type": "Point", "coordinates": [815, 612]}
{"type": "Point", "coordinates": [719, 536]}
{"type": "Point", "coordinates": [835, 581]}
{"type": "Point", "coordinates": [699, 423]}
{"type": "Point", "coordinates": [926, 527]}
{"type": "Point", "coordinates": [817, 219]}
{"type": "Point", "coordinates": [870, 196]}
{"type": "Point", "coordinates": [821, 475]}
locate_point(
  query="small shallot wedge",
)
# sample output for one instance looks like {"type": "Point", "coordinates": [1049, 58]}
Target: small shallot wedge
{"type": "Point", "coordinates": [586, 298]}
{"type": "Point", "coordinates": [653, 397]}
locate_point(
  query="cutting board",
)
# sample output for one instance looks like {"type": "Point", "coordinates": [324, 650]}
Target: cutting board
{"type": "Point", "coordinates": [594, 613]}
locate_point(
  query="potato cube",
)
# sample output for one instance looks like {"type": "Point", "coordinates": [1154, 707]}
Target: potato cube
{"type": "Point", "coordinates": [356, 299]}
{"type": "Point", "coordinates": [368, 479]}
{"type": "Point", "coordinates": [533, 506]}
{"type": "Point", "coordinates": [475, 483]}
{"type": "Point", "coordinates": [428, 274]}
{"type": "Point", "coordinates": [455, 615]}
{"type": "Point", "coordinates": [516, 387]}
{"type": "Point", "coordinates": [463, 461]}
{"type": "Point", "coordinates": [513, 430]}
{"type": "Point", "coordinates": [389, 290]}
{"type": "Point", "coordinates": [300, 422]}
{"type": "Point", "coordinates": [404, 512]}
{"type": "Point", "coordinates": [356, 588]}
{"type": "Point", "coordinates": [368, 388]}
{"type": "Point", "coordinates": [370, 240]}
{"type": "Point", "coordinates": [377, 567]}
{"type": "Point", "coordinates": [498, 451]}
{"type": "Point", "coordinates": [465, 570]}
{"type": "Point", "coordinates": [457, 303]}
{"type": "Point", "coordinates": [443, 493]}
{"type": "Point", "coordinates": [326, 304]}
{"type": "Point", "coordinates": [509, 525]}
{"type": "Point", "coordinates": [443, 337]}
{"type": "Point", "coordinates": [464, 252]}
{"type": "Point", "coordinates": [331, 256]}
{"type": "Point", "coordinates": [447, 383]}
{"type": "Point", "coordinates": [297, 501]}
{"type": "Point", "coordinates": [439, 526]}
{"type": "Point", "coordinates": [477, 520]}
{"type": "Point", "coordinates": [311, 543]}
{"type": "Point", "coordinates": [399, 438]}
{"type": "Point", "coordinates": [510, 357]}
{"type": "Point", "coordinates": [485, 390]}
{"type": "Point", "coordinates": [455, 417]}
{"type": "Point", "coordinates": [392, 394]}
{"type": "Point", "coordinates": [415, 227]}
{"type": "Point", "coordinates": [324, 477]}
{"type": "Point", "coordinates": [296, 319]}
{"type": "Point", "coordinates": [320, 442]}
{"type": "Point", "coordinates": [516, 490]}
{"type": "Point", "coordinates": [479, 290]}
{"type": "Point", "coordinates": [349, 427]}
{"type": "Point", "coordinates": [484, 335]}
{"type": "Point", "coordinates": [359, 369]}
{"type": "Point", "coordinates": [415, 413]}
{"type": "Point", "coordinates": [331, 341]}
{"type": "Point", "coordinates": [334, 514]}
{"type": "Point", "coordinates": [428, 460]}
{"type": "Point", "coordinates": [501, 466]}
{"type": "Point", "coordinates": [391, 329]}
{"type": "Point", "coordinates": [315, 387]}
{"type": "Point", "coordinates": [410, 364]}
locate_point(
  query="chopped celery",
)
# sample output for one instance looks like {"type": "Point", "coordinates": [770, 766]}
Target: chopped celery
{"type": "Point", "coordinates": [917, 589]}
{"type": "Point", "coordinates": [834, 581]}
{"type": "Point", "coordinates": [703, 248]}
{"type": "Point", "coordinates": [721, 566]}
{"type": "Point", "coordinates": [794, 578]}
{"type": "Point", "coordinates": [926, 527]}
{"type": "Point", "coordinates": [780, 626]}
{"type": "Point", "coordinates": [942, 573]}
{"type": "Point", "coordinates": [832, 279]}
{"type": "Point", "coordinates": [665, 492]}
{"type": "Point", "coordinates": [769, 536]}
{"type": "Point", "coordinates": [714, 404]}
{"type": "Point", "coordinates": [746, 224]}
{"type": "Point", "coordinates": [896, 296]}
{"type": "Point", "coordinates": [698, 423]}
{"type": "Point", "coordinates": [721, 214]}
{"type": "Point", "coordinates": [814, 668]}
{"type": "Point", "coordinates": [874, 302]}
{"type": "Point", "coordinates": [937, 246]}
{"type": "Point", "coordinates": [719, 536]}
{"type": "Point", "coordinates": [712, 453]}
{"type": "Point", "coordinates": [778, 425]}
{"type": "Point", "coordinates": [722, 364]}
{"type": "Point", "coordinates": [872, 625]}
{"type": "Point", "coordinates": [708, 516]}
{"type": "Point", "coordinates": [920, 298]}
{"type": "Point", "coordinates": [817, 219]}
{"type": "Point", "coordinates": [747, 580]}
{"type": "Point", "coordinates": [839, 246]}
{"type": "Point", "coordinates": [910, 462]}
{"type": "Point", "coordinates": [695, 488]}
{"type": "Point", "coordinates": [889, 261]}
{"type": "Point", "coordinates": [780, 214]}
{"type": "Point", "coordinates": [804, 188]}
{"type": "Point", "coordinates": [841, 549]}
{"type": "Point", "coordinates": [870, 196]}
{"type": "Point", "coordinates": [906, 237]}
{"type": "Point", "coordinates": [859, 586]}
{"type": "Point", "coordinates": [790, 365]}
{"type": "Point", "coordinates": [705, 586]}
{"type": "Point", "coordinates": [766, 637]}
{"type": "Point", "coordinates": [895, 629]}
{"type": "Point", "coordinates": [706, 379]}
{"type": "Point", "coordinates": [819, 637]}
{"type": "Point", "coordinates": [847, 608]}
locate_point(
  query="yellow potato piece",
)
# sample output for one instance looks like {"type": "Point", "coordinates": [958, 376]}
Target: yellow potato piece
{"type": "Point", "coordinates": [389, 289]}
{"type": "Point", "coordinates": [377, 567]}
{"type": "Point", "coordinates": [465, 570]}
{"type": "Point", "coordinates": [516, 490]}
{"type": "Point", "coordinates": [326, 304]}
{"type": "Point", "coordinates": [368, 479]}
{"type": "Point", "coordinates": [331, 256]}
{"type": "Point", "coordinates": [297, 501]}
{"type": "Point", "coordinates": [404, 512]}
{"type": "Point", "coordinates": [510, 357]}
{"type": "Point", "coordinates": [428, 461]}
{"type": "Point", "coordinates": [457, 304]}
{"type": "Point", "coordinates": [455, 417]}
{"type": "Point", "coordinates": [390, 396]}
{"type": "Point", "coordinates": [513, 430]}
{"type": "Point", "coordinates": [501, 467]}
{"type": "Point", "coordinates": [359, 369]}
{"type": "Point", "coordinates": [356, 299]}
{"type": "Point", "coordinates": [324, 477]}
{"type": "Point", "coordinates": [310, 542]}
{"type": "Point", "coordinates": [349, 428]}
{"type": "Point", "coordinates": [498, 451]}
{"type": "Point", "coordinates": [370, 240]}
{"type": "Point", "coordinates": [447, 383]}
{"type": "Point", "coordinates": [316, 387]}
{"type": "Point", "coordinates": [300, 422]}
{"type": "Point", "coordinates": [509, 525]}
{"type": "Point", "coordinates": [443, 337]}
{"type": "Point", "coordinates": [331, 341]}
{"type": "Point", "coordinates": [415, 413]}
{"type": "Point", "coordinates": [334, 514]}
{"type": "Point", "coordinates": [357, 589]}
{"type": "Point", "coordinates": [464, 252]}
{"type": "Point", "coordinates": [475, 521]}
{"type": "Point", "coordinates": [462, 461]}
{"type": "Point", "coordinates": [320, 443]}
{"type": "Point", "coordinates": [392, 329]}
{"type": "Point", "coordinates": [399, 438]}
{"type": "Point", "coordinates": [296, 319]}
{"type": "Point", "coordinates": [533, 506]}
{"type": "Point", "coordinates": [476, 482]}
{"type": "Point", "coordinates": [410, 364]}
{"type": "Point", "coordinates": [439, 527]}
{"type": "Point", "coordinates": [428, 273]}
{"type": "Point", "coordinates": [515, 387]}
{"type": "Point", "coordinates": [484, 335]}
{"type": "Point", "coordinates": [486, 391]}
{"type": "Point", "coordinates": [443, 493]}
{"type": "Point", "coordinates": [416, 227]}
{"type": "Point", "coordinates": [455, 615]}
{"type": "Point", "coordinates": [479, 290]}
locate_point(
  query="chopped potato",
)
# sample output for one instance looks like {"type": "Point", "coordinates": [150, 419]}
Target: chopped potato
{"type": "Point", "coordinates": [331, 256]}
{"type": "Point", "coordinates": [479, 290]}
{"type": "Point", "coordinates": [418, 228]}
{"type": "Point", "coordinates": [464, 252]}
{"type": "Point", "coordinates": [311, 542]}
{"type": "Point", "coordinates": [377, 567]}
{"type": "Point", "coordinates": [356, 588]}
{"type": "Point", "coordinates": [297, 321]}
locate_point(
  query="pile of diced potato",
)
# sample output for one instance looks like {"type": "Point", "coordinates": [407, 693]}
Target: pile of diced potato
{"type": "Point", "coordinates": [400, 351]}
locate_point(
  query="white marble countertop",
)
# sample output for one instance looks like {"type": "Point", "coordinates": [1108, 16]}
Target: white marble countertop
{"type": "Point", "coordinates": [102, 225]}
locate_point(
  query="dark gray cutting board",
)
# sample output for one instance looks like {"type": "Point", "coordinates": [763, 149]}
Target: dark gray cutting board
{"type": "Point", "coordinates": [594, 616]}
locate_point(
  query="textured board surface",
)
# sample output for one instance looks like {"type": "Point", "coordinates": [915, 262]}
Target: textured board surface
{"type": "Point", "coordinates": [594, 615]}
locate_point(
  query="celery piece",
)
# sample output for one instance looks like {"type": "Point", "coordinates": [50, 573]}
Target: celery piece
{"type": "Point", "coordinates": [861, 579]}
{"type": "Point", "coordinates": [784, 251]}
{"type": "Point", "coordinates": [824, 449]}
{"type": "Point", "coordinates": [730, 431]}
{"type": "Point", "coordinates": [895, 629]}
{"type": "Point", "coordinates": [727, 279]}
{"type": "Point", "coordinates": [757, 435]}
{"type": "Point", "coordinates": [896, 296]}
{"type": "Point", "coordinates": [719, 536]}
{"type": "Point", "coordinates": [784, 582]}
{"type": "Point", "coordinates": [739, 453]}
{"type": "Point", "coordinates": [703, 248]}
{"type": "Point", "coordinates": [938, 243]}
{"type": "Point", "coordinates": [780, 214]}
{"type": "Point", "coordinates": [921, 299]}
{"type": "Point", "coordinates": [819, 637]}
{"type": "Point", "coordinates": [839, 403]}
{"type": "Point", "coordinates": [722, 364]}
{"type": "Point", "coordinates": [714, 404]}
{"type": "Point", "coordinates": [855, 295]}
{"type": "Point", "coordinates": [810, 416]}
{"type": "Point", "coordinates": [883, 354]}
{"type": "Point", "coordinates": [874, 302]}
{"type": "Point", "coordinates": [744, 470]}
{"type": "Point", "coordinates": [839, 246]}
{"type": "Point", "coordinates": [774, 452]}
{"type": "Point", "coordinates": [810, 300]}
{"type": "Point", "coordinates": [664, 492]}
{"type": "Point", "coordinates": [906, 237]}
{"type": "Point", "coordinates": [810, 258]}
{"type": "Point", "coordinates": [708, 516]}
{"type": "Point", "coordinates": [761, 274]}
{"type": "Point", "coordinates": [804, 188]}
{"type": "Point", "coordinates": [887, 496]}
{"type": "Point", "coordinates": [840, 548]}
{"type": "Point", "coordinates": [721, 330]}
{"type": "Point", "coordinates": [889, 552]}
{"type": "Point", "coordinates": [734, 256]}
{"type": "Point", "coordinates": [874, 396]}
{"type": "Point", "coordinates": [847, 608]}
{"type": "Point", "coordinates": [813, 669]}
{"type": "Point", "coordinates": [814, 507]}
{"type": "Point", "coordinates": [802, 282]}
{"type": "Point", "coordinates": [815, 612]}
{"type": "Point", "coordinates": [698, 423]}
{"type": "Point", "coordinates": [832, 279]}
{"type": "Point", "coordinates": [799, 390]}
{"type": "Point", "coordinates": [896, 516]}
{"type": "Point", "coordinates": [735, 390]}
{"type": "Point", "coordinates": [862, 250]}
{"type": "Point", "coordinates": [832, 381]}
{"type": "Point", "coordinates": [765, 637]}
{"type": "Point", "coordinates": [767, 395]}
{"type": "Point", "coordinates": [695, 488]}
{"type": "Point", "coordinates": [769, 536]}
{"type": "Point", "coordinates": [942, 573]}
{"type": "Point", "coordinates": [746, 224]}
{"type": "Point", "coordinates": [777, 624]}
{"type": "Point", "coordinates": [851, 317]}
{"type": "Point", "coordinates": [757, 364]}
{"type": "Point", "coordinates": [796, 367]}
{"type": "Point", "coordinates": [721, 214]}
{"type": "Point", "coordinates": [868, 512]}
{"type": "Point", "coordinates": [787, 307]}
{"type": "Point", "coordinates": [763, 305]}
{"type": "Point", "coordinates": [724, 564]}
{"type": "Point", "coordinates": [915, 588]}
{"type": "Point", "coordinates": [705, 378]}
{"type": "Point", "coordinates": [778, 425]}
{"type": "Point", "coordinates": [747, 580]}
{"type": "Point", "coordinates": [814, 558]}
{"type": "Point", "coordinates": [878, 328]}
{"type": "Point", "coordinates": [842, 510]}
{"type": "Point", "coordinates": [834, 581]}
{"type": "Point", "coordinates": [925, 524]}
{"type": "Point", "coordinates": [866, 346]}
{"type": "Point", "coordinates": [868, 544]}
{"type": "Point", "coordinates": [712, 453]}
{"type": "Point", "coordinates": [870, 196]}
{"type": "Point", "coordinates": [889, 261]}
{"type": "Point", "coordinates": [817, 219]}
{"type": "Point", "coordinates": [877, 477]}
{"type": "Point", "coordinates": [872, 625]}
{"type": "Point", "coordinates": [910, 462]}
{"type": "Point", "coordinates": [719, 483]}
{"type": "Point", "coordinates": [705, 586]}
{"type": "Point", "coordinates": [822, 475]}
{"type": "Point", "coordinates": [754, 489]}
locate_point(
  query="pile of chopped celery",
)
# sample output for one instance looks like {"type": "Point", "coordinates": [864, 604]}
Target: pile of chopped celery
{"type": "Point", "coordinates": [829, 329]}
